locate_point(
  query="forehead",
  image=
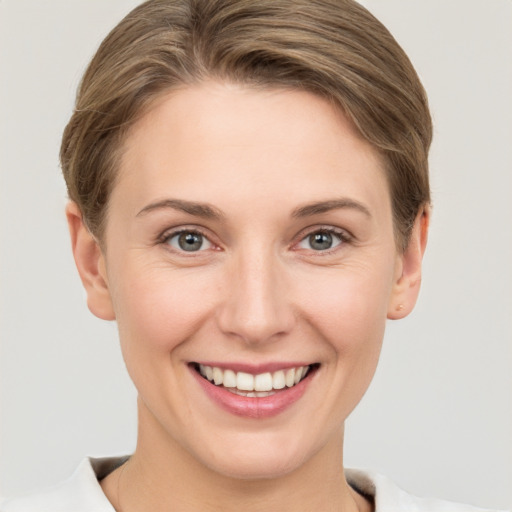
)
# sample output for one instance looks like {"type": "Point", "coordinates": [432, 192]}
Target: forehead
{"type": "Point", "coordinates": [250, 143]}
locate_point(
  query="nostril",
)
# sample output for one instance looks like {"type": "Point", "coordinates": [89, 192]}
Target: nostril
{"type": "Point", "coordinates": [257, 309]}
{"type": "Point", "coordinates": [262, 327]}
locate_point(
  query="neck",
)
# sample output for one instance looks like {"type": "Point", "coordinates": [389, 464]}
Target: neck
{"type": "Point", "coordinates": [162, 475]}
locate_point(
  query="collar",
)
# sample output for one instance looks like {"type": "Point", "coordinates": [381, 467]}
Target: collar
{"type": "Point", "coordinates": [82, 493]}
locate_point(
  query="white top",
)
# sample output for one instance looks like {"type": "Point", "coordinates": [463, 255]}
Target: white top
{"type": "Point", "coordinates": [82, 493]}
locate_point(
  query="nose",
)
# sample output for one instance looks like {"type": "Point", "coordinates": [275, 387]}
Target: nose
{"type": "Point", "coordinates": [257, 306]}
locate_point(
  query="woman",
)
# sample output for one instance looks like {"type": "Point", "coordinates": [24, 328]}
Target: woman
{"type": "Point", "coordinates": [250, 202]}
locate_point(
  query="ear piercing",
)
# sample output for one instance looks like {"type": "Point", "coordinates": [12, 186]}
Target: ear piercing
{"type": "Point", "coordinates": [400, 307]}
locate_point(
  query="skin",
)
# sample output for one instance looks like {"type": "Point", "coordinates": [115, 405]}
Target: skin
{"type": "Point", "coordinates": [256, 292]}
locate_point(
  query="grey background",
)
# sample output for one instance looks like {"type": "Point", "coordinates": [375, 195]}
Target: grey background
{"type": "Point", "coordinates": [438, 417]}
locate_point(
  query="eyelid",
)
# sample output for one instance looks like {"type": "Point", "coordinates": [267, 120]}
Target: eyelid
{"type": "Point", "coordinates": [169, 233]}
{"type": "Point", "coordinates": [342, 234]}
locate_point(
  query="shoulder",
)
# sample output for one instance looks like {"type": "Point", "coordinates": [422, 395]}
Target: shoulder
{"type": "Point", "coordinates": [388, 497]}
{"type": "Point", "coordinates": [79, 493]}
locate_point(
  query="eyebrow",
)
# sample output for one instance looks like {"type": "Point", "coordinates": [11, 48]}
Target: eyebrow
{"type": "Point", "coordinates": [326, 206]}
{"type": "Point", "coordinates": [207, 211]}
{"type": "Point", "coordinates": [203, 210]}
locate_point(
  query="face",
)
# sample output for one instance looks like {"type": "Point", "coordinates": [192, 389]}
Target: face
{"type": "Point", "coordinates": [250, 264]}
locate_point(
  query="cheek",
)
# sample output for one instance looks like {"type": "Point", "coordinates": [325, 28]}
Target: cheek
{"type": "Point", "coordinates": [351, 320]}
{"type": "Point", "coordinates": [158, 310]}
{"type": "Point", "coordinates": [348, 306]}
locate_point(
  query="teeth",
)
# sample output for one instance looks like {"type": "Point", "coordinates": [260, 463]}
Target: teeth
{"type": "Point", "coordinates": [246, 384]}
{"type": "Point", "coordinates": [244, 381]}
{"type": "Point", "coordinates": [278, 380]}
{"type": "Point", "coordinates": [290, 377]}
{"type": "Point", "coordinates": [218, 376]}
{"type": "Point", "coordinates": [251, 394]}
{"type": "Point", "coordinates": [230, 379]}
{"type": "Point", "coordinates": [263, 382]}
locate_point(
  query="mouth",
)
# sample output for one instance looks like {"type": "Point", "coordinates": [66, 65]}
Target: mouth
{"type": "Point", "coordinates": [251, 385]}
{"type": "Point", "coordinates": [254, 392]}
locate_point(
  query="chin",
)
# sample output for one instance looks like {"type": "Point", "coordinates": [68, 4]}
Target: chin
{"type": "Point", "coordinates": [258, 468]}
{"type": "Point", "coordinates": [258, 459]}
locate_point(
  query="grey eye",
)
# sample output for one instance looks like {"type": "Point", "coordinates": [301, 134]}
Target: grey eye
{"type": "Point", "coordinates": [189, 241]}
{"type": "Point", "coordinates": [320, 241]}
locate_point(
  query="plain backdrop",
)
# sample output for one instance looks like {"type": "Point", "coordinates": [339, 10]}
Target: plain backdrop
{"type": "Point", "coordinates": [438, 417]}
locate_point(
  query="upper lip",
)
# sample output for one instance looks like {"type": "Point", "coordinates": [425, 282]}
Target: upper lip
{"type": "Point", "coordinates": [255, 369]}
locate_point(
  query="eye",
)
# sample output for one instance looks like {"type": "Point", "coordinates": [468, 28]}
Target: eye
{"type": "Point", "coordinates": [188, 241]}
{"type": "Point", "coordinates": [322, 240]}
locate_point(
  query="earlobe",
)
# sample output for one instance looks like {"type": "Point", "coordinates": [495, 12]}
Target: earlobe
{"type": "Point", "coordinates": [408, 275]}
{"type": "Point", "coordinates": [90, 262]}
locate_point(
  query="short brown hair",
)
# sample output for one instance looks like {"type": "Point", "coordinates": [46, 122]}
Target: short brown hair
{"type": "Point", "coordinates": [333, 48]}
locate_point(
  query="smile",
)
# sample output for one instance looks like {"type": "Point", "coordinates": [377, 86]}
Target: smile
{"type": "Point", "coordinates": [249, 385]}
{"type": "Point", "coordinates": [245, 393]}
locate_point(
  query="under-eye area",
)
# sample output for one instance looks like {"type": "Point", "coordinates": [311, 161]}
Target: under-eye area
{"type": "Point", "coordinates": [255, 385]}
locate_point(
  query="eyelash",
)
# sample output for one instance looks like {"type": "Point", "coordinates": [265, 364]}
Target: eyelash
{"type": "Point", "coordinates": [342, 235]}
{"type": "Point", "coordinates": [167, 236]}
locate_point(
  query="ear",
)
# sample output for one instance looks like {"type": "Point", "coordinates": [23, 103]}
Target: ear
{"type": "Point", "coordinates": [408, 273]}
{"type": "Point", "coordinates": [90, 262]}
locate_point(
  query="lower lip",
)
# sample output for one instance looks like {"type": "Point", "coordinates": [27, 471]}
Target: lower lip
{"type": "Point", "coordinates": [253, 407]}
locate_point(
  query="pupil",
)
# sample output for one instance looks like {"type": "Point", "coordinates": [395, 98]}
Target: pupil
{"type": "Point", "coordinates": [190, 241]}
{"type": "Point", "coordinates": [321, 241]}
